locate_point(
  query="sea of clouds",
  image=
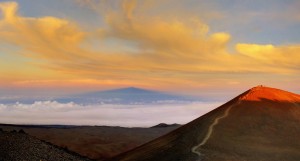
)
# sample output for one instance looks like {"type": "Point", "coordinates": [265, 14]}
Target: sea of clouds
{"type": "Point", "coordinates": [52, 112]}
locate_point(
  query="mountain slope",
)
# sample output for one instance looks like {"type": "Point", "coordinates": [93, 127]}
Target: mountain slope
{"type": "Point", "coordinates": [20, 146]}
{"type": "Point", "coordinates": [129, 95]}
{"type": "Point", "coordinates": [261, 124]}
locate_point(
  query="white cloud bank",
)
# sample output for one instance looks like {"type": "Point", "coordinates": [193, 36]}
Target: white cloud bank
{"type": "Point", "coordinates": [51, 112]}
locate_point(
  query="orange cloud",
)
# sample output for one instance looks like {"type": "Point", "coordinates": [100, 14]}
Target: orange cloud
{"type": "Point", "coordinates": [169, 51]}
{"type": "Point", "coordinates": [278, 59]}
{"type": "Point", "coordinates": [46, 37]}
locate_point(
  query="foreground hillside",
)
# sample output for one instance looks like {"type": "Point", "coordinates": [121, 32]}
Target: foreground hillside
{"type": "Point", "coordinates": [261, 124]}
{"type": "Point", "coordinates": [95, 142]}
{"type": "Point", "coordinates": [16, 146]}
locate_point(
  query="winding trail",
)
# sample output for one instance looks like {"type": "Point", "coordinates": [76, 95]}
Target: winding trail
{"type": "Point", "coordinates": [211, 129]}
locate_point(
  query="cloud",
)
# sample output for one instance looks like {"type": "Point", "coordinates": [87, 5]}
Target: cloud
{"type": "Point", "coordinates": [49, 112]}
{"type": "Point", "coordinates": [47, 38]}
{"type": "Point", "coordinates": [165, 51]}
{"type": "Point", "coordinates": [280, 59]}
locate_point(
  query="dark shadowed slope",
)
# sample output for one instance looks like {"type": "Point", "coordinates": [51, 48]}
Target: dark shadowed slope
{"type": "Point", "coordinates": [95, 142]}
{"type": "Point", "coordinates": [261, 124]}
{"type": "Point", "coordinates": [19, 146]}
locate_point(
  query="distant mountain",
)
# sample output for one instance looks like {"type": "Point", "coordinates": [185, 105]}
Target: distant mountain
{"type": "Point", "coordinates": [260, 124]}
{"type": "Point", "coordinates": [129, 95]}
{"type": "Point", "coordinates": [163, 125]}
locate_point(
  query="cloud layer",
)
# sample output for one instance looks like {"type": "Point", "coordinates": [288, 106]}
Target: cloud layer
{"type": "Point", "coordinates": [49, 112]}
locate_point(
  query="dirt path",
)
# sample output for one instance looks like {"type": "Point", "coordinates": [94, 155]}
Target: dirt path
{"type": "Point", "coordinates": [211, 129]}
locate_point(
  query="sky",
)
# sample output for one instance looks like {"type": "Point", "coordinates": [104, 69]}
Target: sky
{"type": "Point", "coordinates": [195, 47]}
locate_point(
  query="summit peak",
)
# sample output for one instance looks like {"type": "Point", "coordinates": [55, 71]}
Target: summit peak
{"type": "Point", "coordinates": [267, 93]}
{"type": "Point", "coordinates": [258, 87]}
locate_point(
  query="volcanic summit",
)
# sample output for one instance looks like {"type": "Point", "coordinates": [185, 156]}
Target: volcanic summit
{"type": "Point", "coordinates": [261, 124]}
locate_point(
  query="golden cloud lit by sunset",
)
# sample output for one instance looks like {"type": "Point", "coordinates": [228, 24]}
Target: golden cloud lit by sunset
{"type": "Point", "coordinates": [139, 43]}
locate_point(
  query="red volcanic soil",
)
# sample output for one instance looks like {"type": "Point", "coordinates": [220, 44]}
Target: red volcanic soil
{"type": "Point", "coordinates": [260, 93]}
{"type": "Point", "coordinates": [261, 124]}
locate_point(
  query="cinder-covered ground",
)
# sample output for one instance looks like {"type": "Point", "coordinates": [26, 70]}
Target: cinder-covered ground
{"type": "Point", "coordinates": [95, 142]}
{"type": "Point", "coordinates": [15, 146]}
